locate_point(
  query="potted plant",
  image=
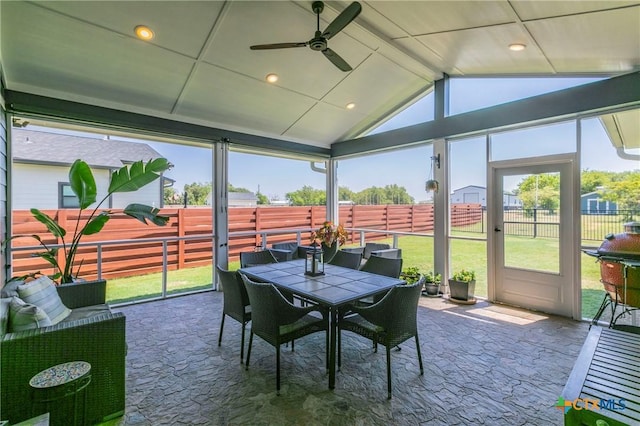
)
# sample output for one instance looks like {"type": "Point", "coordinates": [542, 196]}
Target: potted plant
{"type": "Point", "coordinates": [410, 274]}
{"type": "Point", "coordinates": [331, 238]}
{"type": "Point", "coordinates": [462, 285]}
{"type": "Point", "coordinates": [432, 283]}
{"type": "Point", "coordinates": [82, 182]}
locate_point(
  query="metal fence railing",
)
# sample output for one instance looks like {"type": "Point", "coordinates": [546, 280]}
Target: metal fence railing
{"type": "Point", "coordinates": [597, 224]}
{"type": "Point", "coordinates": [544, 222]}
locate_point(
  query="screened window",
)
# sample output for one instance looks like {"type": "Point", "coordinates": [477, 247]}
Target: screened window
{"type": "Point", "coordinates": [68, 199]}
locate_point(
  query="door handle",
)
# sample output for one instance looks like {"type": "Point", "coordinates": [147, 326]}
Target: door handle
{"type": "Point", "coordinates": [497, 229]}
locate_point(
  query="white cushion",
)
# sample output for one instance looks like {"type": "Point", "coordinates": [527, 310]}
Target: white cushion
{"type": "Point", "coordinates": [42, 293]}
{"type": "Point", "coordinates": [25, 316]}
{"type": "Point", "coordinates": [10, 289]}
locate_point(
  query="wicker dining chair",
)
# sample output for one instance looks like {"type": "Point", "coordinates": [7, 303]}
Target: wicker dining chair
{"type": "Point", "coordinates": [236, 302]}
{"type": "Point", "coordinates": [389, 322]}
{"type": "Point", "coordinates": [252, 258]}
{"type": "Point", "coordinates": [371, 247]}
{"type": "Point", "coordinates": [346, 259]}
{"type": "Point", "coordinates": [383, 266]}
{"type": "Point", "coordinates": [277, 321]}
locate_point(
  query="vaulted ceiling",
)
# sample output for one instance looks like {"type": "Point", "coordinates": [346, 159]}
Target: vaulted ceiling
{"type": "Point", "coordinates": [199, 69]}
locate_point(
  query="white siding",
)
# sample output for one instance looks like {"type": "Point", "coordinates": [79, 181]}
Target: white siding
{"type": "Point", "coordinates": [470, 194]}
{"type": "Point", "coordinates": [36, 185]}
{"type": "Point", "coordinates": [149, 195]}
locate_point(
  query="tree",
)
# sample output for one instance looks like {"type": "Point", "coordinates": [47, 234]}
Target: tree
{"type": "Point", "coordinates": [231, 188]}
{"type": "Point", "coordinates": [171, 196]}
{"type": "Point", "coordinates": [592, 180]}
{"type": "Point", "coordinates": [197, 193]}
{"type": "Point", "coordinates": [398, 195]}
{"type": "Point", "coordinates": [262, 199]}
{"type": "Point", "coordinates": [540, 191]}
{"type": "Point", "coordinates": [307, 196]}
{"type": "Point", "coordinates": [372, 195]}
{"type": "Point", "coordinates": [390, 194]}
{"type": "Point", "coordinates": [345, 194]}
{"type": "Point", "coordinates": [625, 191]}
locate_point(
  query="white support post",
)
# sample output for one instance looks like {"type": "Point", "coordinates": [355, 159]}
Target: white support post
{"type": "Point", "coordinates": [220, 206]}
{"type": "Point", "coordinates": [441, 173]}
{"type": "Point", "coordinates": [441, 211]}
{"type": "Point", "coordinates": [333, 210]}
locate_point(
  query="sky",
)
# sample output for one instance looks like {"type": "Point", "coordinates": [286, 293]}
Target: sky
{"type": "Point", "coordinates": [410, 168]}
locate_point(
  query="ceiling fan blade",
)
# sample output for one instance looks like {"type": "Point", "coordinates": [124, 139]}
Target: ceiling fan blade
{"type": "Point", "coordinates": [347, 15]}
{"type": "Point", "coordinates": [337, 60]}
{"type": "Point", "coordinates": [277, 46]}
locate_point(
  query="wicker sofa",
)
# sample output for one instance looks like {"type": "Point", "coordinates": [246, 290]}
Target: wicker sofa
{"type": "Point", "coordinates": [92, 333]}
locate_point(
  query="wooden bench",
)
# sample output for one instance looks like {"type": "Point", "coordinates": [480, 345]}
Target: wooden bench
{"type": "Point", "coordinates": [604, 384]}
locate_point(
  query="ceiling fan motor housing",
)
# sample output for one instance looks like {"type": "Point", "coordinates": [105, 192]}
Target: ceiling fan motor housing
{"type": "Point", "coordinates": [318, 43]}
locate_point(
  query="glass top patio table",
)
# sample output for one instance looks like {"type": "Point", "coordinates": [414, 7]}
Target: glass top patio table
{"type": "Point", "coordinates": [337, 287]}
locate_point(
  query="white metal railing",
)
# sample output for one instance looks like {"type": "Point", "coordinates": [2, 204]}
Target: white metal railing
{"type": "Point", "coordinates": [164, 241]}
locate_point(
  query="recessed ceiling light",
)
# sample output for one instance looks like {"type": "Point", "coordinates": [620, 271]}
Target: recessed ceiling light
{"type": "Point", "coordinates": [351, 105]}
{"type": "Point", "coordinates": [271, 78]}
{"type": "Point", "coordinates": [143, 32]}
{"type": "Point", "coordinates": [517, 47]}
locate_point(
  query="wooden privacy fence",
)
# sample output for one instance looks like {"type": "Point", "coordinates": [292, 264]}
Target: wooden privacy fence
{"type": "Point", "coordinates": [183, 247]}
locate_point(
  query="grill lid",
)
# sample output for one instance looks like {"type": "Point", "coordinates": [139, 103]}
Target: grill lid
{"type": "Point", "coordinates": [625, 245]}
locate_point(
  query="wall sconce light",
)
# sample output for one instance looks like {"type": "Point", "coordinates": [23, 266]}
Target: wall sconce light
{"type": "Point", "coordinates": [432, 184]}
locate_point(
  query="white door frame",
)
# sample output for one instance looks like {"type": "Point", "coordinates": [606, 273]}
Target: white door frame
{"type": "Point", "coordinates": [570, 244]}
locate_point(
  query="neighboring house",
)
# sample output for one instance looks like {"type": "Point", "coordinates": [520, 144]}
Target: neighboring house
{"type": "Point", "coordinates": [591, 203]}
{"type": "Point", "coordinates": [41, 162]}
{"type": "Point", "coordinates": [470, 194]}
{"type": "Point", "coordinates": [238, 199]}
{"type": "Point", "coordinates": [511, 201]}
{"type": "Point", "coordinates": [242, 199]}
{"type": "Point", "coordinates": [280, 203]}
{"type": "Point", "coordinates": [473, 194]}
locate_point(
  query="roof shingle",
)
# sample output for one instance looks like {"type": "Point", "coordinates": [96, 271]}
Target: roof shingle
{"type": "Point", "coordinates": [31, 146]}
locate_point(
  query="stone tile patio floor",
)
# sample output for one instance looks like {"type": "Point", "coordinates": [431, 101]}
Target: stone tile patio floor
{"type": "Point", "coordinates": [485, 364]}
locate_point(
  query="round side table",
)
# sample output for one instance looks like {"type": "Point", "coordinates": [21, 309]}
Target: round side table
{"type": "Point", "coordinates": [60, 381]}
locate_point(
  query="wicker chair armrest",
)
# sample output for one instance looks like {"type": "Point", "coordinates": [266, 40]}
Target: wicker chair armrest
{"type": "Point", "coordinates": [281, 255]}
{"type": "Point", "coordinates": [376, 313]}
{"type": "Point", "coordinates": [77, 295]}
{"type": "Point", "coordinates": [392, 253]}
{"type": "Point", "coordinates": [358, 249]}
{"type": "Point", "coordinates": [61, 327]}
{"type": "Point", "coordinates": [100, 341]}
{"type": "Point", "coordinates": [291, 313]}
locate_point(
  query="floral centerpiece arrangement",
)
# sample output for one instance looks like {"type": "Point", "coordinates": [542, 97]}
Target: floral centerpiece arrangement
{"type": "Point", "coordinates": [328, 234]}
{"type": "Point", "coordinates": [331, 237]}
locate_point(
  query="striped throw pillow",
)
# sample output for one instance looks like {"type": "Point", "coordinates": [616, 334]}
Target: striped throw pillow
{"type": "Point", "coordinates": [42, 293]}
{"type": "Point", "coordinates": [24, 316]}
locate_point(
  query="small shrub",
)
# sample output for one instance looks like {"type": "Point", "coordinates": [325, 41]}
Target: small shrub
{"type": "Point", "coordinates": [410, 274]}
{"type": "Point", "coordinates": [432, 277]}
{"type": "Point", "coordinates": [464, 275]}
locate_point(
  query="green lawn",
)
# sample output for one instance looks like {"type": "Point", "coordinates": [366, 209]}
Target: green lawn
{"type": "Point", "coordinates": [148, 286]}
{"type": "Point", "coordinates": [416, 251]}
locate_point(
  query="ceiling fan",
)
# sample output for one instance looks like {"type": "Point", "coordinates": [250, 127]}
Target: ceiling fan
{"type": "Point", "coordinates": [319, 40]}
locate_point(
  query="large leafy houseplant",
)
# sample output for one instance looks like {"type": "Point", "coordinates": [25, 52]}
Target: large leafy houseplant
{"type": "Point", "coordinates": [82, 182]}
